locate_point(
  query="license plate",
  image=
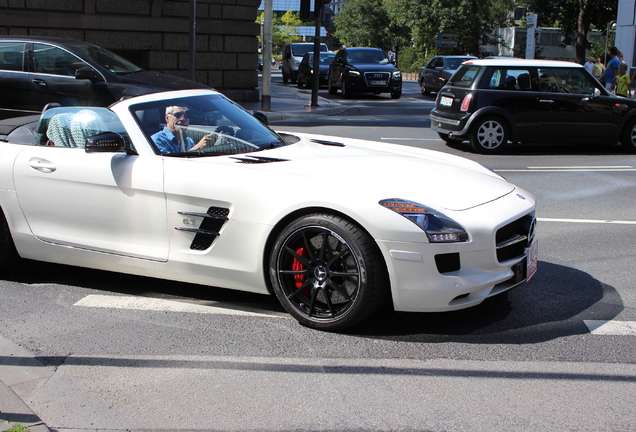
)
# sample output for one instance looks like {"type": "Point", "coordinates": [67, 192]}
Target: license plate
{"type": "Point", "coordinates": [378, 83]}
{"type": "Point", "coordinates": [446, 101]}
{"type": "Point", "coordinates": [532, 260]}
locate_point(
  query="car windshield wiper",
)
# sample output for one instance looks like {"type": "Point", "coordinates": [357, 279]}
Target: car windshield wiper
{"type": "Point", "coordinates": [269, 146]}
{"type": "Point", "coordinates": [194, 154]}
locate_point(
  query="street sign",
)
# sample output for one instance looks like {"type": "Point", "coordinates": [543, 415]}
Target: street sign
{"type": "Point", "coordinates": [445, 44]}
{"type": "Point", "coordinates": [446, 37]}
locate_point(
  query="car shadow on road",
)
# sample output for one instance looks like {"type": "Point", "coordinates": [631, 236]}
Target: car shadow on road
{"type": "Point", "coordinates": [553, 304]}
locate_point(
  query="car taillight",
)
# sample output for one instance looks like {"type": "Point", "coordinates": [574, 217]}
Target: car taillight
{"type": "Point", "coordinates": [466, 102]}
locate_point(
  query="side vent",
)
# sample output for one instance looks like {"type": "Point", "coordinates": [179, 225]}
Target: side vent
{"type": "Point", "coordinates": [209, 229]}
{"type": "Point", "coordinates": [258, 159]}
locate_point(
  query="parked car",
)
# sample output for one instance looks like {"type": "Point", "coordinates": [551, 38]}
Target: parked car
{"type": "Point", "coordinates": [306, 68]}
{"type": "Point", "coordinates": [36, 70]}
{"type": "Point", "coordinates": [292, 55]}
{"type": "Point", "coordinates": [246, 208]}
{"type": "Point", "coordinates": [491, 102]}
{"type": "Point", "coordinates": [434, 75]}
{"type": "Point", "coordinates": [364, 70]}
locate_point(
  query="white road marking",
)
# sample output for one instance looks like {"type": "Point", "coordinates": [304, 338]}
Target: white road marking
{"type": "Point", "coordinates": [607, 168]}
{"type": "Point", "coordinates": [611, 328]}
{"type": "Point", "coordinates": [592, 221]}
{"type": "Point", "coordinates": [163, 305]}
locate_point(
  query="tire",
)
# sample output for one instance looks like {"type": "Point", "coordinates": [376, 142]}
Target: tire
{"type": "Point", "coordinates": [330, 88]}
{"type": "Point", "coordinates": [447, 139]}
{"type": "Point", "coordinates": [628, 138]}
{"type": "Point", "coordinates": [489, 135]}
{"type": "Point", "coordinates": [285, 78]}
{"type": "Point", "coordinates": [396, 94]}
{"type": "Point", "coordinates": [425, 92]}
{"type": "Point", "coordinates": [8, 253]}
{"type": "Point", "coordinates": [299, 84]}
{"type": "Point", "coordinates": [293, 77]}
{"type": "Point", "coordinates": [346, 93]}
{"type": "Point", "coordinates": [336, 282]}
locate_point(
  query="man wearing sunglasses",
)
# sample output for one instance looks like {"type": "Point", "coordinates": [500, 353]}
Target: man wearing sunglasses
{"type": "Point", "coordinates": [173, 138]}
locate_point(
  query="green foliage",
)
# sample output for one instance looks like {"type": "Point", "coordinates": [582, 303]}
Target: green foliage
{"type": "Point", "coordinates": [411, 59]}
{"type": "Point", "coordinates": [18, 428]}
{"type": "Point", "coordinates": [283, 29]}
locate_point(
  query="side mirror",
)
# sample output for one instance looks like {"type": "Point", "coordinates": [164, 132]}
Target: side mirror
{"type": "Point", "coordinates": [596, 93]}
{"type": "Point", "coordinates": [87, 73]}
{"type": "Point", "coordinates": [105, 142]}
{"type": "Point", "coordinates": [261, 117]}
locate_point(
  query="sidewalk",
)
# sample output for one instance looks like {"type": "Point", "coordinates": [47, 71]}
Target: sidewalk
{"type": "Point", "coordinates": [290, 102]}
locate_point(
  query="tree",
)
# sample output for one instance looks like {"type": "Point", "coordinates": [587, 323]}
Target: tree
{"type": "Point", "coordinates": [575, 18]}
{"type": "Point", "coordinates": [284, 28]}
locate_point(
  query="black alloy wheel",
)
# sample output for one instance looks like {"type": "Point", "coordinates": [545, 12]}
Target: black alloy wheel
{"type": "Point", "coordinates": [327, 272]}
{"type": "Point", "coordinates": [425, 92]}
{"type": "Point", "coordinates": [346, 92]}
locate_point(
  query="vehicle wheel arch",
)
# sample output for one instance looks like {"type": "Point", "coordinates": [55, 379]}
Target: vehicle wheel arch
{"type": "Point", "coordinates": [496, 111]}
{"type": "Point", "coordinates": [625, 121]}
{"type": "Point", "coordinates": [285, 221]}
{"type": "Point", "coordinates": [8, 252]}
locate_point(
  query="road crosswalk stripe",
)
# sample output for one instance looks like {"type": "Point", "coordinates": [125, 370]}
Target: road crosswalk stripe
{"type": "Point", "coordinates": [164, 305]}
{"type": "Point", "coordinates": [612, 328]}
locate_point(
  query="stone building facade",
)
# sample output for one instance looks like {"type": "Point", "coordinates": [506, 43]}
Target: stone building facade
{"type": "Point", "coordinates": [154, 34]}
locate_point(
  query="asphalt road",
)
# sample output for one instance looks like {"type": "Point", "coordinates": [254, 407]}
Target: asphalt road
{"type": "Point", "coordinates": [117, 352]}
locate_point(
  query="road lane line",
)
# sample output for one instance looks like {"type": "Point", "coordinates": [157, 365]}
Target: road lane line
{"type": "Point", "coordinates": [593, 221]}
{"type": "Point", "coordinates": [164, 305]}
{"type": "Point", "coordinates": [619, 169]}
{"type": "Point", "coordinates": [611, 328]}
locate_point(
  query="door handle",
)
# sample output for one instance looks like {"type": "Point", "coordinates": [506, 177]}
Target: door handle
{"type": "Point", "coordinates": [546, 101]}
{"type": "Point", "coordinates": [42, 165]}
{"type": "Point", "coordinates": [39, 82]}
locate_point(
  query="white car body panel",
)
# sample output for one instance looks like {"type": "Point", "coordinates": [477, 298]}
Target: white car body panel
{"type": "Point", "coordinates": [131, 213]}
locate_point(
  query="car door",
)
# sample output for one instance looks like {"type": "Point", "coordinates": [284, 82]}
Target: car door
{"type": "Point", "coordinates": [568, 112]}
{"type": "Point", "coordinates": [53, 78]}
{"type": "Point", "coordinates": [432, 73]}
{"type": "Point", "coordinates": [336, 68]}
{"type": "Point", "coordinates": [104, 202]}
{"type": "Point", "coordinates": [14, 79]}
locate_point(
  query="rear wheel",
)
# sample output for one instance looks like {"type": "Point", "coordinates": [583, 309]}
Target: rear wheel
{"type": "Point", "coordinates": [8, 254]}
{"type": "Point", "coordinates": [489, 135]}
{"type": "Point", "coordinates": [327, 272]}
{"type": "Point", "coordinates": [425, 92]}
{"type": "Point", "coordinates": [628, 139]}
{"type": "Point", "coordinates": [330, 88]}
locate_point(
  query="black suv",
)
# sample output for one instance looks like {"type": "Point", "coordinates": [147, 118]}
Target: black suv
{"type": "Point", "coordinates": [37, 70]}
{"type": "Point", "coordinates": [491, 102]}
{"type": "Point", "coordinates": [364, 70]}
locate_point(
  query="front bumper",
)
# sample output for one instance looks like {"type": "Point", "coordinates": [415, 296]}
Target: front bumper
{"type": "Point", "coordinates": [452, 276]}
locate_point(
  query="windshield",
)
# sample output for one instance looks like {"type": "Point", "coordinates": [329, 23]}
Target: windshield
{"type": "Point", "coordinates": [209, 125]}
{"type": "Point", "coordinates": [106, 59]}
{"type": "Point", "coordinates": [367, 56]}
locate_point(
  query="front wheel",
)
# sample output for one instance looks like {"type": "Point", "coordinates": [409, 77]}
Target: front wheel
{"type": "Point", "coordinates": [8, 253]}
{"type": "Point", "coordinates": [330, 88]}
{"type": "Point", "coordinates": [425, 92]}
{"type": "Point", "coordinates": [489, 135]}
{"type": "Point", "coordinates": [396, 94]}
{"type": "Point", "coordinates": [346, 92]}
{"type": "Point", "coordinates": [628, 139]}
{"type": "Point", "coordinates": [327, 272]}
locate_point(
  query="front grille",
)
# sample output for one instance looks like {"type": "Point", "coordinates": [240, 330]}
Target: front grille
{"type": "Point", "coordinates": [447, 263]}
{"type": "Point", "coordinates": [377, 79]}
{"type": "Point", "coordinates": [513, 239]}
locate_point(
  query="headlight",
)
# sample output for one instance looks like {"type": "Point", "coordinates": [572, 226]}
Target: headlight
{"type": "Point", "coordinates": [438, 227]}
{"type": "Point", "coordinates": [397, 75]}
{"type": "Point", "coordinates": [354, 73]}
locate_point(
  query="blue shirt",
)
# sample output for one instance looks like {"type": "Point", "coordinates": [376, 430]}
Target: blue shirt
{"type": "Point", "coordinates": [167, 142]}
{"type": "Point", "coordinates": [609, 70]}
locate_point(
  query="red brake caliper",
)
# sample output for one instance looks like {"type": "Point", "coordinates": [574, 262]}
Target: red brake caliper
{"type": "Point", "coordinates": [299, 280]}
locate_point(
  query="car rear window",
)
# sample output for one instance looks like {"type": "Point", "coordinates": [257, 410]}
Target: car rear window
{"type": "Point", "coordinates": [465, 76]}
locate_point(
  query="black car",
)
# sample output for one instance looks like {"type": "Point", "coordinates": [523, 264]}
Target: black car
{"type": "Point", "coordinates": [438, 70]}
{"type": "Point", "coordinates": [491, 102]}
{"type": "Point", "coordinates": [306, 68]}
{"type": "Point", "coordinates": [364, 70]}
{"type": "Point", "coordinates": [35, 71]}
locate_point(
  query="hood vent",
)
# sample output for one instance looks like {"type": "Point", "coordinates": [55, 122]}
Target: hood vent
{"type": "Point", "coordinates": [258, 159]}
{"type": "Point", "coordinates": [329, 143]}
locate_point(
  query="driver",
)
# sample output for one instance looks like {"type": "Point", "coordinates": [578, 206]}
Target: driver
{"type": "Point", "coordinates": [173, 137]}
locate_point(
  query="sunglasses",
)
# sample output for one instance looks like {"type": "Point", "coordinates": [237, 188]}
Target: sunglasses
{"type": "Point", "coordinates": [180, 114]}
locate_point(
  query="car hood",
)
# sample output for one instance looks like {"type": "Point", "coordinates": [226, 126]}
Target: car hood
{"type": "Point", "coordinates": [373, 67]}
{"type": "Point", "coordinates": [159, 81]}
{"type": "Point", "coordinates": [432, 178]}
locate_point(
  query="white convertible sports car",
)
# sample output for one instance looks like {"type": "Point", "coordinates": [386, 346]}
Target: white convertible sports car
{"type": "Point", "coordinates": [188, 186]}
